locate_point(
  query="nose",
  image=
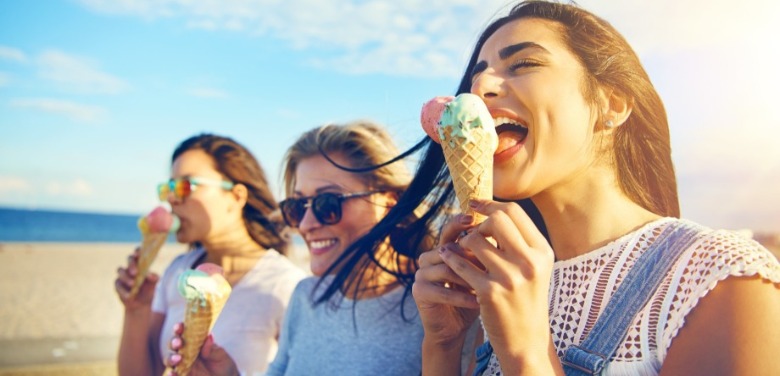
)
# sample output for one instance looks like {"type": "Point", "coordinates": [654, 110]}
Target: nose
{"type": "Point", "coordinates": [488, 84]}
{"type": "Point", "coordinates": [308, 222]}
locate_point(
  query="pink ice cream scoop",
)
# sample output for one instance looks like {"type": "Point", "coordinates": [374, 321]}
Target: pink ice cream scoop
{"type": "Point", "coordinates": [160, 220]}
{"type": "Point", "coordinates": [210, 268]}
{"type": "Point", "coordinates": [431, 113]}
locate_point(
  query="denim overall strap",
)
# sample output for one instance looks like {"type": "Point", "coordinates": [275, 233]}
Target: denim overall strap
{"type": "Point", "coordinates": [590, 357]}
{"type": "Point", "coordinates": [484, 351]}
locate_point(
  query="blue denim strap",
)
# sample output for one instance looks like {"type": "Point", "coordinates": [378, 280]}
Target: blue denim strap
{"type": "Point", "coordinates": [484, 351]}
{"type": "Point", "coordinates": [590, 357]}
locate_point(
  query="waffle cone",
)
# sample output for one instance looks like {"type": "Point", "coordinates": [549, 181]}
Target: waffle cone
{"type": "Point", "coordinates": [470, 162]}
{"type": "Point", "coordinates": [150, 246]}
{"type": "Point", "coordinates": [199, 319]}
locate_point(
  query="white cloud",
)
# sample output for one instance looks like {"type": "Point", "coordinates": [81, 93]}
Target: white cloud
{"type": "Point", "coordinates": [13, 184]}
{"type": "Point", "coordinates": [74, 188]}
{"type": "Point", "coordinates": [78, 74]}
{"type": "Point", "coordinates": [12, 54]}
{"type": "Point", "coordinates": [205, 92]}
{"type": "Point", "coordinates": [397, 37]}
{"type": "Point", "coordinates": [72, 110]}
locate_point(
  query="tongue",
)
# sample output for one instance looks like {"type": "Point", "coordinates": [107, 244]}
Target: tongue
{"type": "Point", "coordinates": [508, 139]}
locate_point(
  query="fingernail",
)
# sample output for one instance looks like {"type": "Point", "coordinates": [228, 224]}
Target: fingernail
{"type": "Point", "coordinates": [466, 219]}
{"type": "Point", "coordinates": [175, 358]}
{"type": "Point", "coordinates": [176, 343]}
{"type": "Point", "coordinates": [473, 203]}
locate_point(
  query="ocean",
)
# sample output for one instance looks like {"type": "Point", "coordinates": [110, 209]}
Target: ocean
{"type": "Point", "coordinates": [20, 225]}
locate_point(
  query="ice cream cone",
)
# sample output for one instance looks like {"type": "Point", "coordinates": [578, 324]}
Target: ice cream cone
{"type": "Point", "coordinates": [150, 246]}
{"type": "Point", "coordinates": [205, 300]}
{"type": "Point", "coordinates": [471, 166]}
{"type": "Point", "coordinates": [154, 228]}
{"type": "Point", "coordinates": [468, 139]}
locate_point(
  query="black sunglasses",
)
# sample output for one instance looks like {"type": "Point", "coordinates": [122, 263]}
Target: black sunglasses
{"type": "Point", "coordinates": [325, 206]}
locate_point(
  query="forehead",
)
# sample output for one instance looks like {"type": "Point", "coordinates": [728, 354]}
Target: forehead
{"type": "Point", "coordinates": [546, 33]}
{"type": "Point", "coordinates": [194, 162]}
{"type": "Point", "coordinates": [316, 173]}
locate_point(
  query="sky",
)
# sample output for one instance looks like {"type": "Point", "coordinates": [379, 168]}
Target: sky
{"type": "Point", "coordinates": [96, 94]}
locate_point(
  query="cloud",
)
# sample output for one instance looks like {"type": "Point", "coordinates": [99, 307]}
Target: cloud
{"type": "Point", "coordinates": [13, 184]}
{"type": "Point", "coordinates": [397, 37]}
{"type": "Point", "coordinates": [205, 92]}
{"type": "Point", "coordinates": [78, 74]}
{"type": "Point", "coordinates": [74, 188]}
{"type": "Point", "coordinates": [4, 79]}
{"type": "Point", "coordinates": [72, 110]}
{"type": "Point", "coordinates": [12, 54]}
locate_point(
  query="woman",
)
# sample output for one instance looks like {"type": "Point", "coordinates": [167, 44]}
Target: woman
{"type": "Point", "coordinates": [355, 316]}
{"type": "Point", "coordinates": [584, 136]}
{"type": "Point", "coordinates": [219, 192]}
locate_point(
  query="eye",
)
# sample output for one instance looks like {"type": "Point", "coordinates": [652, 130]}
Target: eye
{"type": "Point", "coordinates": [523, 63]}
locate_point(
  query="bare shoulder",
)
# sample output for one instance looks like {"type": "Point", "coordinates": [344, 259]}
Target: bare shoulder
{"type": "Point", "coordinates": [733, 330]}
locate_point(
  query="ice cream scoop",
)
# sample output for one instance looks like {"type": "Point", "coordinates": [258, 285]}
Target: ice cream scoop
{"type": "Point", "coordinates": [431, 113]}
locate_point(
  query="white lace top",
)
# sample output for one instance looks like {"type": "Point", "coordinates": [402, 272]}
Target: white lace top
{"type": "Point", "coordinates": [581, 287]}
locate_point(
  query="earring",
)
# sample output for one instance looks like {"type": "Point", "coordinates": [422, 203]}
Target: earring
{"type": "Point", "coordinates": [609, 123]}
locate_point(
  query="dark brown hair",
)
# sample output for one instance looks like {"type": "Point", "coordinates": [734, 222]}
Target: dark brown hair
{"type": "Point", "coordinates": [641, 147]}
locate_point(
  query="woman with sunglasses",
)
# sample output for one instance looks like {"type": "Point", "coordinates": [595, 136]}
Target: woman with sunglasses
{"type": "Point", "coordinates": [356, 315]}
{"type": "Point", "coordinates": [219, 192]}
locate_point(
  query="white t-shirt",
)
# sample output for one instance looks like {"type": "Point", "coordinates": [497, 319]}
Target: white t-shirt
{"type": "Point", "coordinates": [248, 327]}
{"type": "Point", "coordinates": [581, 288]}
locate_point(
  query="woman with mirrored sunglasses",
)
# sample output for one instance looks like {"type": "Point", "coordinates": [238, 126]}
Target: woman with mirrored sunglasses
{"type": "Point", "coordinates": [228, 216]}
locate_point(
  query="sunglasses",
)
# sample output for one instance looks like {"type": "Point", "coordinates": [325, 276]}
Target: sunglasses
{"type": "Point", "coordinates": [325, 206]}
{"type": "Point", "coordinates": [183, 187]}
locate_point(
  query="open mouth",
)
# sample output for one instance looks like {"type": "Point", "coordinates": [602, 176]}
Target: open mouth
{"type": "Point", "coordinates": [511, 134]}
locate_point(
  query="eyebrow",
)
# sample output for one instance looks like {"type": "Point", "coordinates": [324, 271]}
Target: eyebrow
{"type": "Point", "coordinates": [323, 189]}
{"type": "Point", "coordinates": [504, 54]}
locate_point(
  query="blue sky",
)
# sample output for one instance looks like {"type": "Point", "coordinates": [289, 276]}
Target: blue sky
{"type": "Point", "coordinates": [95, 94]}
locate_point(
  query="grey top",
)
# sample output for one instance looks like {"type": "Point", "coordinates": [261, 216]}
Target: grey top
{"type": "Point", "coordinates": [372, 339]}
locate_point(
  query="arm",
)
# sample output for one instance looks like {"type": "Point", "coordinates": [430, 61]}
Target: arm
{"type": "Point", "coordinates": [733, 330]}
{"type": "Point", "coordinates": [446, 312]}
{"type": "Point", "coordinates": [138, 349]}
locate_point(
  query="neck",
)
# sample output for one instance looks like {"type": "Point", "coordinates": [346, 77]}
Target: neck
{"type": "Point", "coordinates": [582, 220]}
{"type": "Point", "coordinates": [375, 280]}
{"type": "Point", "coordinates": [236, 253]}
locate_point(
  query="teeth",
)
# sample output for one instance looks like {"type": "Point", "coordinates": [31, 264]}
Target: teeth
{"type": "Point", "coordinates": [505, 120]}
{"type": "Point", "coordinates": [322, 243]}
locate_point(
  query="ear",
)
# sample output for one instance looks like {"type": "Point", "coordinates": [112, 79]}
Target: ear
{"type": "Point", "coordinates": [616, 107]}
{"type": "Point", "coordinates": [240, 194]}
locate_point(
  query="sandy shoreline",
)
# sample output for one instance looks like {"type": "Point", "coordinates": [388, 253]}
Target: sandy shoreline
{"type": "Point", "coordinates": [59, 305]}
{"type": "Point", "coordinates": [59, 313]}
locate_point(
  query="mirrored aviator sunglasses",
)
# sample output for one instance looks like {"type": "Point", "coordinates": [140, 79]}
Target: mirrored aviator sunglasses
{"type": "Point", "coordinates": [183, 187]}
{"type": "Point", "coordinates": [325, 206]}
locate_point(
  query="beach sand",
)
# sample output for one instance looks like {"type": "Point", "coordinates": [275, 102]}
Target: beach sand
{"type": "Point", "coordinates": [59, 313]}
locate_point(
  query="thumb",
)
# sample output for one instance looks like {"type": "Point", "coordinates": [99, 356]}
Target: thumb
{"type": "Point", "coordinates": [208, 346]}
{"type": "Point", "coordinates": [153, 277]}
